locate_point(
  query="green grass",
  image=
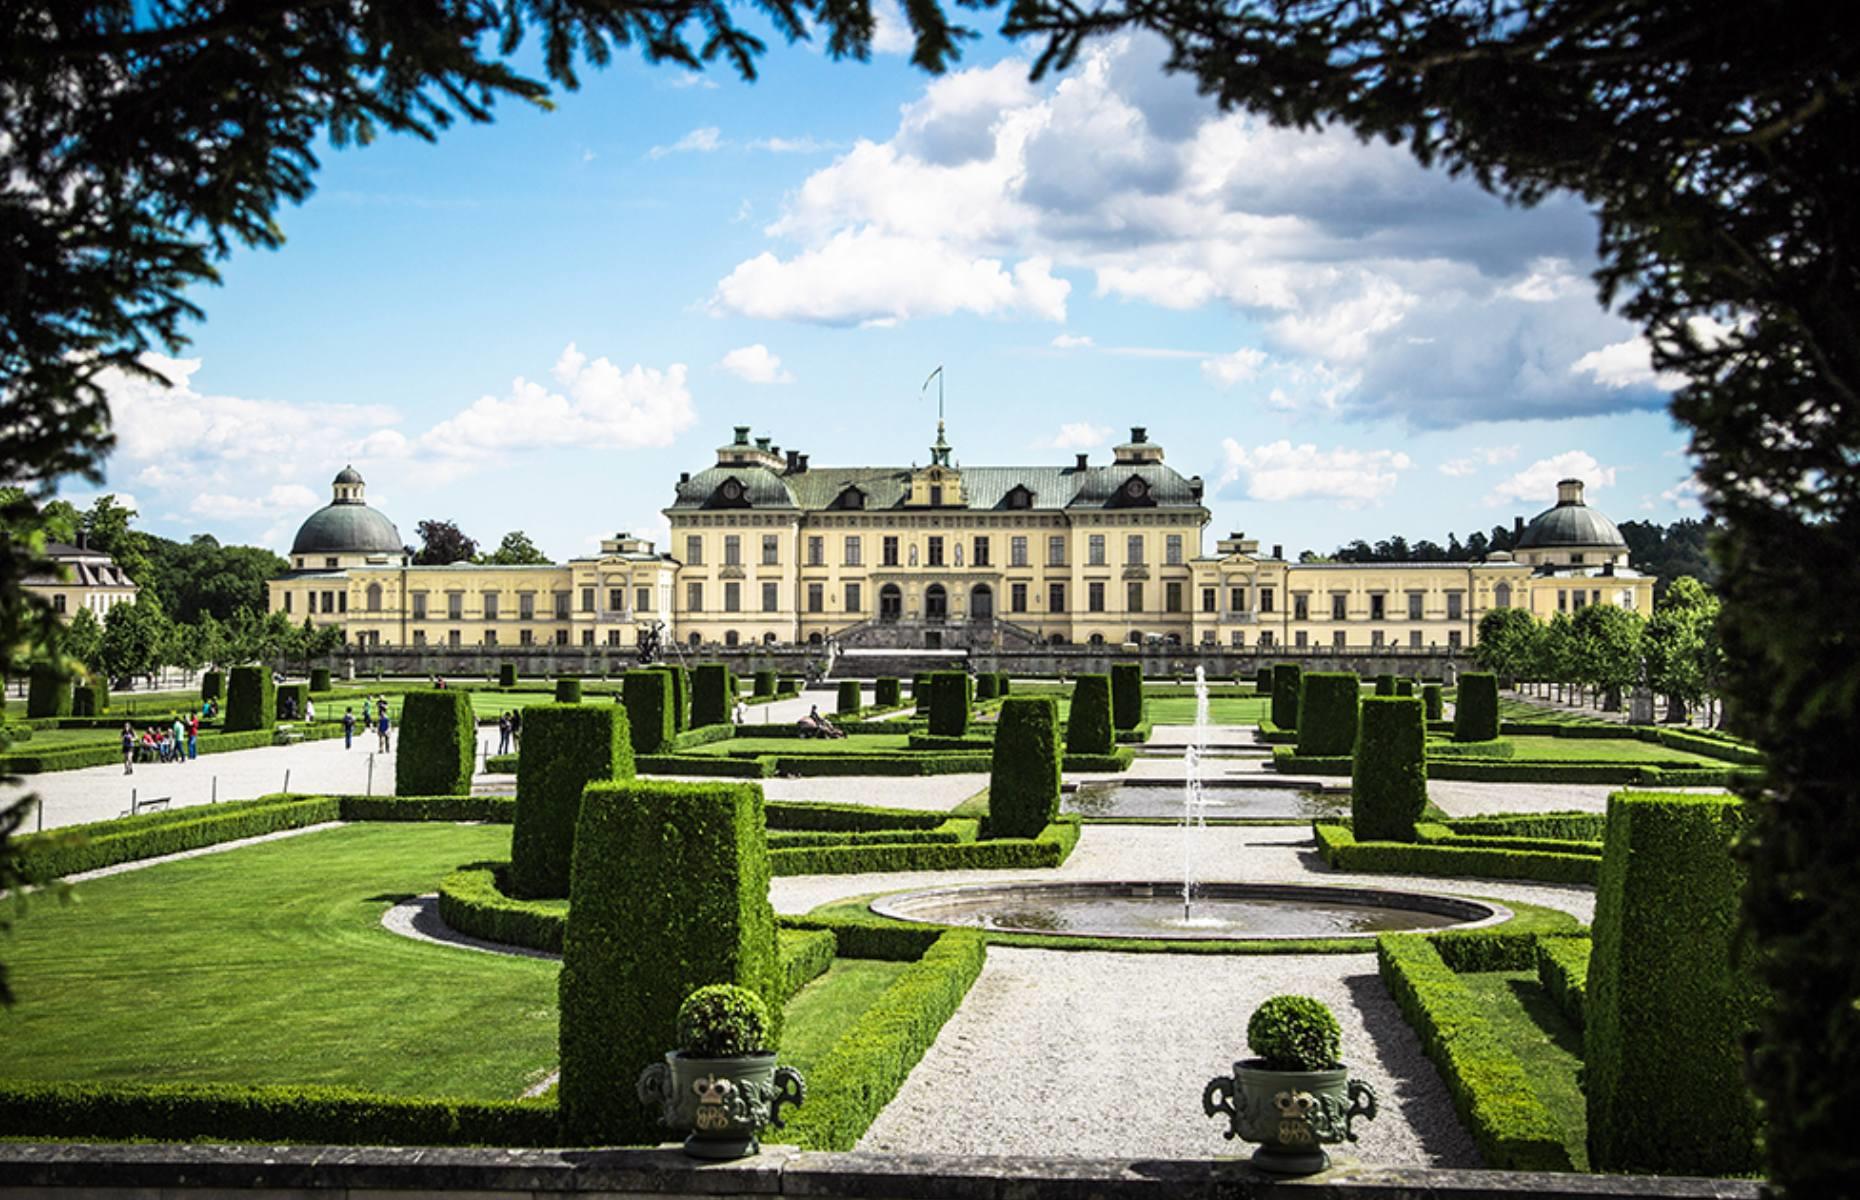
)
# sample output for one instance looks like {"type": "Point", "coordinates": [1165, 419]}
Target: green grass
{"type": "Point", "coordinates": [1538, 748]}
{"type": "Point", "coordinates": [1523, 710]}
{"type": "Point", "coordinates": [1524, 1017]}
{"type": "Point", "coordinates": [1225, 710]}
{"type": "Point", "coordinates": [865, 743]}
{"type": "Point", "coordinates": [819, 1013]}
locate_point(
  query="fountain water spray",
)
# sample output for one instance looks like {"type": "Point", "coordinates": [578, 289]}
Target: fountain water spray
{"type": "Point", "coordinates": [1194, 812]}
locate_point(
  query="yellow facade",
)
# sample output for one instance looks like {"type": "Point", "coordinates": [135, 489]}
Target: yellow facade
{"type": "Point", "coordinates": [81, 578]}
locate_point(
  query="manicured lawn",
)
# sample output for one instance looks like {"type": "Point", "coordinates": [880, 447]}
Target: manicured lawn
{"type": "Point", "coordinates": [823, 1010]}
{"type": "Point", "coordinates": [1538, 748]}
{"type": "Point", "coordinates": [865, 743]}
{"type": "Point", "coordinates": [1527, 1020]}
{"type": "Point", "coordinates": [1519, 710]}
{"type": "Point", "coordinates": [1224, 710]}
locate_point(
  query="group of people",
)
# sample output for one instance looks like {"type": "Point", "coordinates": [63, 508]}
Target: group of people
{"type": "Point", "coordinates": [177, 741]}
{"type": "Point", "coordinates": [374, 716]}
{"type": "Point", "coordinates": [509, 730]}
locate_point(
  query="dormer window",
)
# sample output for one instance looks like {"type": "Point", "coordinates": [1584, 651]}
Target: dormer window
{"type": "Point", "coordinates": [731, 494]}
{"type": "Point", "coordinates": [852, 497]}
{"type": "Point", "coordinates": [1019, 497]}
{"type": "Point", "coordinates": [1134, 491]}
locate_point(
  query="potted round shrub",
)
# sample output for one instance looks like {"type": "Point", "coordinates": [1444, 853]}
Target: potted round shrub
{"type": "Point", "coordinates": [1294, 1097]}
{"type": "Point", "coordinates": [721, 1086]}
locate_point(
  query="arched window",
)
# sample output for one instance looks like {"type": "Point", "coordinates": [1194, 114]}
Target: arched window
{"type": "Point", "coordinates": [1097, 639]}
{"type": "Point", "coordinates": [374, 597]}
{"type": "Point", "coordinates": [981, 603]}
{"type": "Point", "coordinates": [768, 639]}
{"type": "Point", "coordinates": [730, 638]}
{"type": "Point", "coordinates": [1501, 595]}
{"type": "Point", "coordinates": [1175, 639]}
{"type": "Point", "coordinates": [813, 639]}
{"type": "Point", "coordinates": [695, 640]}
{"type": "Point", "coordinates": [1135, 635]}
{"type": "Point", "coordinates": [890, 602]}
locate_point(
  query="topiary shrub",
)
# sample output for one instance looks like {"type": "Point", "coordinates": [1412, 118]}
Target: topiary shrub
{"type": "Point", "coordinates": [48, 691]}
{"type": "Point", "coordinates": [1385, 684]}
{"type": "Point", "coordinates": [713, 694]}
{"type": "Point", "coordinates": [651, 723]}
{"type": "Point", "coordinates": [888, 692]}
{"type": "Point", "coordinates": [252, 702]}
{"type": "Point", "coordinates": [949, 703]}
{"type": "Point", "coordinates": [211, 684]}
{"type": "Point", "coordinates": [1475, 710]}
{"type": "Point", "coordinates": [1262, 681]}
{"type": "Point", "coordinates": [1671, 992]}
{"type": "Point", "coordinates": [681, 695]}
{"type": "Point", "coordinates": [920, 690]}
{"type": "Point", "coordinates": [792, 683]}
{"type": "Point", "coordinates": [1432, 701]}
{"type": "Point", "coordinates": [90, 698]}
{"type": "Point", "coordinates": [291, 699]}
{"type": "Point", "coordinates": [1294, 1033]}
{"type": "Point", "coordinates": [987, 686]}
{"type": "Point", "coordinates": [1088, 722]}
{"type": "Point", "coordinates": [565, 748]}
{"type": "Point", "coordinates": [319, 679]}
{"type": "Point", "coordinates": [1126, 695]}
{"type": "Point", "coordinates": [849, 697]}
{"type": "Point", "coordinates": [1285, 684]}
{"type": "Point", "coordinates": [1388, 775]}
{"type": "Point", "coordinates": [1023, 777]}
{"type": "Point", "coordinates": [506, 675]}
{"type": "Point", "coordinates": [1327, 704]}
{"type": "Point", "coordinates": [765, 683]}
{"type": "Point", "coordinates": [722, 1020]}
{"type": "Point", "coordinates": [568, 690]}
{"type": "Point", "coordinates": [669, 893]}
{"type": "Point", "coordinates": [1404, 687]}
{"type": "Point", "coordinates": [1001, 683]}
{"type": "Point", "coordinates": [438, 740]}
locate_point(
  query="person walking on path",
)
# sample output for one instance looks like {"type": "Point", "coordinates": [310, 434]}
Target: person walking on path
{"type": "Point", "coordinates": [129, 749]}
{"type": "Point", "coordinates": [381, 728]}
{"type": "Point", "coordinates": [193, 736]}
{"type": "Point", "coordinates": [348, 728]}
{"type": "Point", "coordinates": [516, 728]}
{"type": "Point", "coordinates": [309, 710]}
{"type": "Point", "coordinates": [180, 739]}
{"type": "Point", "coordinates": [503, 733]}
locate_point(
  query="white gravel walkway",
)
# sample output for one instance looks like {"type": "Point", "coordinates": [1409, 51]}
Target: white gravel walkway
{"type": "Point", "coordinates": [1072, 1054]}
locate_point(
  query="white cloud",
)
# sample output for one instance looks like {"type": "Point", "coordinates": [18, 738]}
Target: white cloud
{"type": "Point", "coordinates": [1282, 471]}
{"type": "Point", "coordinates": [702, 140]}
{"type": "Point", "coordinates": [1536, 484]}
{"type": "Point", "coordinates": [1624, 364]}
{"type": "Point", "coordinates": [755, 365]}
{"type": "Point", "coordinates": [1239, 367]}
{"type": "Point", "coordinates": [1488, 456]}
{"type": "Point", "coordinates": [281, 500]}
{"type": "Point", "coordinates": [1687, 493]}
{"type": "Point", "coordinates": [1071, 341]}
{"type": "Point", "coordinates": [891, 32]}
{"type": "Point", "coordinates": [1076, 435]}
{"type": "Point", "coordinates": [599, 406]}
{"type": "Point", "coordinates": [798, 145]}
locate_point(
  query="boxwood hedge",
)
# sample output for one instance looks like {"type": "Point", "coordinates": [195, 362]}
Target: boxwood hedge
{"type": "Point", "coordinates": [290, 700]}
{"type": "Point", "coordinates": [1432, 700]}
{"type": "Point", "coordinates": [1385, 684]}
{"type": "Point", "coordinates": [251, 701]}
{"type": "Point", "coordinates": [89, 847]}
{"type": "Point", "coordinates": [713, 694]}
{"type": "Point", "coordinates": [90, 697]}
{"type": "Point", "coordinates": [565, 748]}
{"type": "Point", "coordinates": [888, 692]}
{"type": "Point", "coordinates": [568, 690]}
{"type": "Point", "coordinates": [48, 691]}
{"type": "Point", "coordinates": [438, 741]}
{"type": "Point", "coordinates": [1327, 705]}
{"type": "Point", "coordinates": [1024, 778]}
{"type": "Point", "coordinates": [949, 703]}
{"type": "Point", "coordinates": [506, 675]}
{"type": "Point", "coordinates": [1338, 846]}
{"type": "Point", "coordinates": [764, 683]}
{"type": "Point", "coordinates": [1126, 695]}
{"type": "Point", "coordinates": [670, 893]}
{"type": "Point", "coordinates": [319, 679]}
{"type": "Point", "coordinates": [1404, 687]}
{"type": "Point", "coordinates": [1088, 721]}
{"type": "Point", "coordinates": [1285, 685]}
{"type": "Point", "coordinates": [1388, 788]}
{"type": "Point", "coordinates": [987, 686]}
{"type": "Point", "coordinates": [210, 684]}
{"type": "Point", "coordinates": [650, 710]}
{"type": "Point", "coordinates": [849, 696]}
{"type": "Point", "coordinates": [1475, 708]}
{"type": "Point", "coordinates": [1563, 970]}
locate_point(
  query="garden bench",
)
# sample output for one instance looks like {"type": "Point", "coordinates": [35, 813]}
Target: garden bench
{"type": "Point", "coordinates": [149, 805]}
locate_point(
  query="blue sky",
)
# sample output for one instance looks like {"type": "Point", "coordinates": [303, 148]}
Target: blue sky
{"type": "Point", "coordinates": [538, 323]}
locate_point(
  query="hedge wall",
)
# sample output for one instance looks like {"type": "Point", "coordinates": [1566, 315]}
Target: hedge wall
{"type": "Point", "coordinates": [1285, 682]}
{"type": "Point", "coordinates": [1475, 709]}
{"type": "Point", "coordinates": [319, 680]}
{"type": "Point", "coordinates": [1327, 704]}
{"type": "Point", "coordinates": [565, 748]}
{"type": "Point", "coordinates": [1051, 848]}
{"type": "Point", "coordinates": [1671, 992]}
{"type": "Point", "coordinates": [1385, 684]}
{"type": "Point", "coordinates": [1432, 700]}
{"type": "Point", "coordinates": [1388, 773]}
{"type": "Point", "coordinates": [567, 690]}
{"type": "Point", "coordinates": [1126, 695]}
{"type": "Point", "coordinates": [1404, 687]}
{"type": "Point", "coordinates": [438, 740]}
{"type": "Point", "coordinates": [1088, 721]}
{"type": "Point", "coordinates": [650, 710]}
{"type": "Point", "coordinates": [764, 683]}
{"type": "Point", "coordinates": [506, 675]}
{"type": "Point", "coordinates": [251, 701]}
{"type": "Point", "coordinates": [1340, 849]}
{"type": "Point", "coordinates": [48, 691]}
{"type": "Point", "coordinates": [1563, 970]}
{"type": "Point", "coordinates": [1023, 781]}
{"type": "Point", "coordinates": [888, 692]}
{"type": "Point", "coordinates": [1562, 826]}
{"type": "Point", "coordinates": [713, 694]}
{"type": "Point", "coordinates": [987, 686]}
{"type": "Point", "coordinates": [210, 685]}
{"type": "Point", "coordinates": [632, 953]}
{"type": "Point", "coordinates": [88, 847]}
{"type": "Point", "coordinates": [1262, 681]}
{"type": "Point", "coordinates": [90, 698]}
{"type": "Point", "coordinates": [920, 690]}
{"type": "Point", "coordinates": [496, 810]}
{"type": "Point", "coordinates": [949, 703]}
{"type": "Point", "coordinates": [849, 696]}
{"type": "Point", "coordinates": [291, 698]}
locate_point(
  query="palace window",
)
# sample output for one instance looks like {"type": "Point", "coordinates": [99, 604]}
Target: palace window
{"type": "Point", "coordinates": [419, 637]}
{"type": "Point", "coordinates": [1056, 597]}
{"type": "Point", "coordinates": [419, 606]}
{"type": "Point", "coordinates": [852, 555]}
{"type": "Point", "coordinates": [1414, 606]}
{"type": "Point", "coordinates": [1236, 599]}
{"type": "Point", "coordinates": [1301, 639]}
{"type": "Point", "coordinates": [561, 637]}
{"type": "Point", "coordinates": [421, 600]}
{"type": "Point", "coordinates": [1301, 607]}
{"type": "Point", "coordinates": [561, 605]}
{"type": "Point", "coordinates": [1378, 606]}
{"type": "Point", "coordinates": [1056, 551]}
{"type": "Point", "coordinates": [981, 552]}
{"type": "Point", "coordinates": [1375, 637]}
{"type": "Point", "coordinates": [1017, 598]}
{"type": "Point", "coordinates": [1017, 552]}
{"type": "Point", "coordinates": [816, 598]}
{"type": "Point", "coordinates": [694, 550]}
{"type": "Point", "coordinates": [374, 597]}
{"type": "Point", "coordinates": [490, 606]}
{"type": "Point", "coordinates": [1265, 639]}
{"type": "Point", "coordinates": [455, 605]}
{"type": "Point", "coordinates": [771, 549]}
{"type": "Point", "coordinates": [616, 599]}
{"type": "Point", "coordinates": [1339, 606]}
{"type": "Point", "coordinates": [587, 599]}
{"type": "Point", "coordinates": [587, 637]}
{"type": "Point", "coordinates": [1172, 597]}
{"type": "Point", "coordinates": [732, 596]}
{"type": "Point", "coordinates": [936, 495]}
{"type": "Point", "coordinates": [1455, 605]}
{"type": "Point", "coordinates": [816, 552]}
{"type": "Point", "coordinates": [888, 552]}
{"type": "Point", "coordinates": [936, 552]}
{"type": "Point", "coordinates": [1094, 596]}
{"type": "Point", "coordinates": [613, 637]}
{"type": "Point", "coordinates": [1265, 606]}
{"type": "Point", "coordinates": [1094, 550]}
{"type": "Point", "coordinates": [452, 639]}
{"type": "Point", "coordinates": [526, 638]}
{"type": "Point", "coordinates": [490, 637]}
{"type": "Point", "coordinates": [1453, 639]}
{"type": "Point", "coordinates": [1562, 600]}
{"type": "Point", "coordinates": [1133, 550]}
{"type": "Point", "coordinates": [732, 550]}
{"type": "Point", "coordinates": [1414, 639]}
{"type": "Point", "coordinates": [771, 596]}
{"type": "Point", "coordinates": [1133, 596]}
{"type": "Point", "coordinates": [694, 596]}
{"type": "Point", "coordinates": [854, 598]}
{"type": "Point", "coordinates": [642, 599]}
{"type": "Point", "coordinates": [1336, 639]}
{"type": "Point", "coordinates": [1239, 639]}
{"type": "Point", "coordinates": [1172, 550]}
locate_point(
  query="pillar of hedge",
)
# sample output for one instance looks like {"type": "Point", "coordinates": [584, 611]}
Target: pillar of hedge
{"type": "Point", "coordinates": [1285, 683]}
{"type": "Point", "coordinates": [565, 748]}
{"type": "Point", "coordinates": [506, 675]}
{"type": "Point", "coordinates": [949, 703]}
{"type": "Point", "coordinates": [1475, 710]}
{"type": "Point", "coordinates": [1431, 701]}
{"type": "Point", "coordinates": [1385, 684]}
{"type": "Point", "coordinates": [849, 698]}
{"type": "Point", "coordinates": [438, 741]}
{"type": "Point", "coordinates": [713, 692]}
{"type": "Point", "coordinates": [1126, 695]}
{"type": "Point", "coordinates": [90, 698]}
{"type": "Point", "coordinates": [1088, 721]}
{"type": "Point", "coordinates": [792, 683]}
{"type": "Point", "coordinates": [1023, 776]}
{"type": "Point", "coordinates": [319, 679]}
{"type": "Point", "coordinates": [920, 690]}
{"type": "Point", "coordinates": [252, 701]}
{"type": "Point", "coordinates": [211, 686]}
{"type": "Point", "coordinates": [1404, 687]}
{"type": "Point", "coordinates": [567, 691]}
{"type": "Point", "coordinates": [1001, 683]}
{"type": "Point", "coordinates": [651, 723]}
{"type": "Point", "coordinates": [1671, 993]}
{"type": "Point", "coordinates": [48, 691]}
{"type": "Point", "coordinates": [1327, 704]}
{"type": "Point", "coordinates": [681, 696]}
{"type": "Point", "coordinates": [765, 683]}
{"type": "Point", "coordinates": [669, 893]}
{"type": "Point", "coordinates": [291, 697]}
{"type": "Point", "coordinates": [987, 686]}
{"type": "Point", "coordinates": [888, 692]}
{"type": "Point", "coordinates": [1388, 777]}
{"type": "Point", "coordinates": [1262, 681]}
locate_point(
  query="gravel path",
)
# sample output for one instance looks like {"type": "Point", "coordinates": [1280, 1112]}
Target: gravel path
{"type": "Point", "coordinates": [419, 919]}
{"type": "Point", "coordinates": [1069, 1054]}
{"type": "Point", "coordinates": [179, 855]}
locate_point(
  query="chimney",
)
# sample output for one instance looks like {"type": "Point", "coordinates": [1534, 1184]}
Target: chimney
{"type": "Point", "coordinates": [83, 539]}
{"type": "Point", "coordinates": [684, 477]}
{"type": "Point", "coordinates": [802, 460]}
{"type": "Point", "coordinates": [742, 435]}
{"type": "Point", "coordinates": [793, 457]}
{"type": "Point", "coordinates": [1608, 569]}
{"type": "Point", "coordinates": [1278, 549]}
{"type": "Point", "coordinates": [1084, 460]}
{"type": "Point", "coordinates": [1517, 526]}
{"type": "Point", "coordinates": [1568, 491]}
{"type": "Point", "coordinates": [1139, 433]}
{"type": "Point", "coordinates": [762, 444]}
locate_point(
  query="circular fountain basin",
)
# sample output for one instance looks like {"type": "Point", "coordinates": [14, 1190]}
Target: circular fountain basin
{"type": "Point", "coordinates": [1253, 802]}
{"type": "Point", "coordinates": [1219, 912]}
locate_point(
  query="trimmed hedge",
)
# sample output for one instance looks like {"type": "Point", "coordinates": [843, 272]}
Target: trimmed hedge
{"type": "Point", "coordinates": [862, 1073]}
{"type": "Point", "coordinates": [291, 698]}
{"type": "Point", "coordinates": [1563, 970]}
{"type": "Point", "coordinates": [506, 675]}
{"type": "Point", "coordinates": [670, 893]}
{"type": "Point", "coordinates": [949, 703]}
{"type": "Point", "coordinates": [888, 692]}
{"type": "Point", "coordinates": [68, 851]}
{"type": "Point", "coordinates": [1490, 1088]}
{"type": "Point", "coordinates": [805, 955]}
{"type": "Point", "coordinates": [650, 710]}
{"type": "Point", "coordinates": [1433, 700]}
{"type": "Point", "coordinates": [1262, 681]}
{"type": "Point", "coordinates": [713, 694]}
{"type": "Point", "coordinates": [1441, 835]}
{"type": "Point", "coordinates": [1385, 684]}
{"type": "Point", "coordinates": [1119, 759]}
{"type": "Point", "coordinates": [48, 691]}
{"type": "Point", "coordinates": [1024, 778]}
{"type": "Point", "coordinates": [1285, 684]}
{"type": "Point", "coordinates": [1672, 993]}
{"type": "Point", "coordinates": [210, 686]}
{"type": "Point", "coordinates": [1126, 695]}
{"type": "Point", "coordinates": [319, 679]}
{"type": "Point", "coordinates": [1496, 748]}
{"type": "Point", "coordinates": [1089, 728]}
{"type": "Point", "coordinates": [1338, 846]}
{"type": "Point", "coordinates": [764, 683]}
{"type": "Point", "coordinates": [920, 690]}
{"type": "Point", "coordinates": [850, 818]}
{"type": "Point", "coordinates": [251, 701]}
{"type": "Point", "coordinates": [1388, 773]}
{"type": "Point", "coordinates": [1560, 826]}
{"type": "Point", "coordinates": [90, 698]}
{"type": "Point", "coordinates": [568, 690]}
{"type": "Point", "coordinates": [849, 697]}
{"type": "Point", "coordinates": [987, 686]}
{"type": "Point", "coordinates": [103, 754]}
{"type": "Point", "coordinates": [565, 748]}
{"type": "Point", "coordinates": [1327, 706]}
{"type": "Point", "coordinates": [1404, 687]}
{"type": "Point", "coordinates": [1475, 708]}
{"type": "Point", "coordinates": [1051, 848]}
{"type": "Point", "coordinates": [479, 902]}
{"type": "Point", "coordinates": [495, 810]}
{"type": "Point", "coordinates": [438, 741]}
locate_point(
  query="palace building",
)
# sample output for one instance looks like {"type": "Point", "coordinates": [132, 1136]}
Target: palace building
{"type": "Point", "coordinates": [768, 548]}
{"type": "Point", "coordinates": [80, 578]}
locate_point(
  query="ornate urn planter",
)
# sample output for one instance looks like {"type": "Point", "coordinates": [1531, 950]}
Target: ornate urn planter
{"type": "Point", "coordinates": [1293, 1115]}
{"type": "Point", "coordinates": [721, 1104]}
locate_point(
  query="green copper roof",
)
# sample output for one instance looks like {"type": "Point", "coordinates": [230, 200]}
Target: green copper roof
{"type": "Point", "coordinates": [347, 529]}
{"type": "Point", "coordinates": [1572, 523]}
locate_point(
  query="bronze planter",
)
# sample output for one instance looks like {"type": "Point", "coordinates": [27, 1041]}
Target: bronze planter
{"type": "Point", "coordinates": [1293, 1115]}
{"type": "Point", "coordinates": [721, 1104]}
